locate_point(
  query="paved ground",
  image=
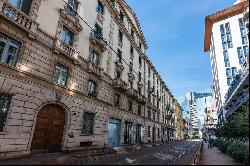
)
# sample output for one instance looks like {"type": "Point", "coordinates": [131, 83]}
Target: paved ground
{"type": "Point", "coordinates": [214, 156]}
{"type": "Point", "coordinates": [156, 155]}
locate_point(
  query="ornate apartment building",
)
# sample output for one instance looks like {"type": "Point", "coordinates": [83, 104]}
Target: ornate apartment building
{"type": "Point", "coordinates": [75, 74]}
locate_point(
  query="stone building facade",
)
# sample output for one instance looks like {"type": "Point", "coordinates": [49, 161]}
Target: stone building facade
{"type": "Point", "coordinates": [75, 74]}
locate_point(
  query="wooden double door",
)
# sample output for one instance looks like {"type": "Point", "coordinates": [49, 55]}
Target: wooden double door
{"type": "Point", "coordinates": [49, 130]}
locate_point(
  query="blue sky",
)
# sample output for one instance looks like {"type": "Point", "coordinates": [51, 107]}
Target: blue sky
{"type": "Point", "coordinates": [174, 31]}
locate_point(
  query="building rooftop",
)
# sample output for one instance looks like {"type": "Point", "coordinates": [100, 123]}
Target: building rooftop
{"type": "Point", "coordinates": [219, 16]}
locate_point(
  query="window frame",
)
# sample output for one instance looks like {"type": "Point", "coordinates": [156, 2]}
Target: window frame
{"type": "Point", "coordinates": [9, 42]}
{"type": "Point", "coordinates": [117, 100]}
{"type": "Point", "coordinates": [100, 8]}
{"type": "Point", "coordinates": [85, 115]}
{"type": "Point", "coordinates": [94, 86]}
{"type": "Point", "coordinates": [54, 74]}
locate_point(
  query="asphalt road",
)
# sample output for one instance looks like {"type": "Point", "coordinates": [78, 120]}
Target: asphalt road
{"type": "Point", "coordinates": [175, 153]}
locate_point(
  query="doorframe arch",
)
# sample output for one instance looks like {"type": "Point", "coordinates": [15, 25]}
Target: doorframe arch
{"type": "Point", "coordinates": [67, 117]}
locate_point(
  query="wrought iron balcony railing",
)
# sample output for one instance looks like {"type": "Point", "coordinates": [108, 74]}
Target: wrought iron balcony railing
{"type": "Point", "coordinates": [18, 17]}
{"type": "Point", "coordinates": [66, 49]}
{"type": "Point", "coordinates": [98, 40]}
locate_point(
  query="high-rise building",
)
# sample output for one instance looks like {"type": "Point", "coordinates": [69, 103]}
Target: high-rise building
{"type": "Point", "coordinates": [227, 43]}
{"type": "Point", "coordinates": [197, 104]}
{"type": "Point", "coordinates": [75, 74]}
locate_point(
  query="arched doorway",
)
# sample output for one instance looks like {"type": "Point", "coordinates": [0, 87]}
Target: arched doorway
{"type": "Point", "coordinates": [48, 130]}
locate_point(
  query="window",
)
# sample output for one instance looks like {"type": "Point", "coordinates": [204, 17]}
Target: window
{"type": "Point", "coordinates": [61, 75]}
{"type": "Point", "coordinates": [131, 50]}
{"type": "Point", "coordinates": [222, 30]}
{"type": "Point", "coordinates": [100, 8]}
{"type": "Point", "coordinates": [234, 71]}
{"type": "Point", "coordinates": [98, 31]}
{"type": "Point", "coordinates": [8, 50]}
{"type": "Point", "coordinates": [227, 26]}
{"type": "Point", "coordinates": [120, 36]}
{"type": "Point", "coordinates": [94, 58]}
{"type": "Point", "coordinates": [23, 5]}
{"type": "Point", "coordinates": [158, 132]}
{"type": "Point", "coordinates": [117, 100]}
{"type": "Point", "coordinates": [121, 16]}
{"type": "Point", "coordinates": [139, 76]}
{"type": "Point", "coordinates": [88, 123]}
{"type": "Point", "coordinates": [230, 44]}
{"type": "Point", "coordinates": [131, 67]}
{"type": "Point", "coordinates": [5, 101]}
{"type": "Point", "coordinates": [226, 59]}
{"type": "Point", "coordinates": [92, 88]}
{"type": "Point", "coordinates": [140, 45]}
{"type": "Point", "coordinates": [140, 61]}
{"type": "Point", "coordinates": [245, 50]}
{"type": "Point", "coordinates": [153, 116]}
{"type": "Point", "coordinates": [149, 114]}
{"type": "Point", "coordinates": [118, 74]}
{"type": "Point", "coordinates": [240, 55]}
{"type": "Point", "coordinates": [130, 106]}
{"type": "Point", "coordinates": [119, 55]}
{"type": "Point", "coordinates": [149, 132]}
{"type": "Point", "coordinates": [139, 90]}
{"type": "Point", "coordinates": [228, 72]}
{"type": "Point", "coordinates": [229, 81]}
{"type": "Point", "coordinates": [241, 23]}
{"type": "Point", "coordinates": [72, 7]}
{"type": "Point", "coordinates": [243, 31]}
{"type": "Point", "coordinates": [67, 36]}
{"type": "Point", "coordinates": [130, 85]}
{"type": "Point", "coordinates": [132, 33]}
{"type": "Point", "coordinates": [139, 110]}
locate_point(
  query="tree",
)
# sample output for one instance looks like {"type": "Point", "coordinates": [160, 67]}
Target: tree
{"type": "Point", "coordinates": [237, 125]}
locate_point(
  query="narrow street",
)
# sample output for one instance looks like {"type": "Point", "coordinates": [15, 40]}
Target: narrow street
{"type": "Point", "coordinates": [166, 154]}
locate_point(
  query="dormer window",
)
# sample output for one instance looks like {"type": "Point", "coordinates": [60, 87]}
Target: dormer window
{"type": "Point", "coordinates": [100, 8]}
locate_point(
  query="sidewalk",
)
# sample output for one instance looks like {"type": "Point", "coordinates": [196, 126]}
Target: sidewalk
{"type": "Point", "coordinates": [214, 156]}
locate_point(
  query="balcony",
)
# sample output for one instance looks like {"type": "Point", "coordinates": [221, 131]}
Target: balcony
{"type": "Point", "coordinates": [238, 86]}
{"type": "Point", "coordinates": [150, 90]}
{"type": "Point", "coordinates": [18, 18]}
{"type": "Point", "coordinates": [119, 85]}
{"type": "Point", "coordinates": [119, 65]}
{"type": "Point", "coordinates": [95, 69]}
{"type": "Point", "coordinates": [142, 99]}
{"type": "Point", "coordinates": [97, 40]}
{"type": "Point", "coordinates": [140, 83]}
{"type": "Point", "coordinates": [67, 50]}
{"type": "Point", "coordinates": [133, 93]}
{"type": "Point", "coordinates": [120, 43]}
{"type": "Point", "coordinates": [70, 14]}
{"type": "Point", "coordinates": [131, 75]}
{"type": "Point", "coordinates": [243, 98]}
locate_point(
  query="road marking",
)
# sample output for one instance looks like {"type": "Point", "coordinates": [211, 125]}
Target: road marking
{"type": "Point", "coordinates": [163, 156]}
{"type": "Point", "coordinates": [130, 161]}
